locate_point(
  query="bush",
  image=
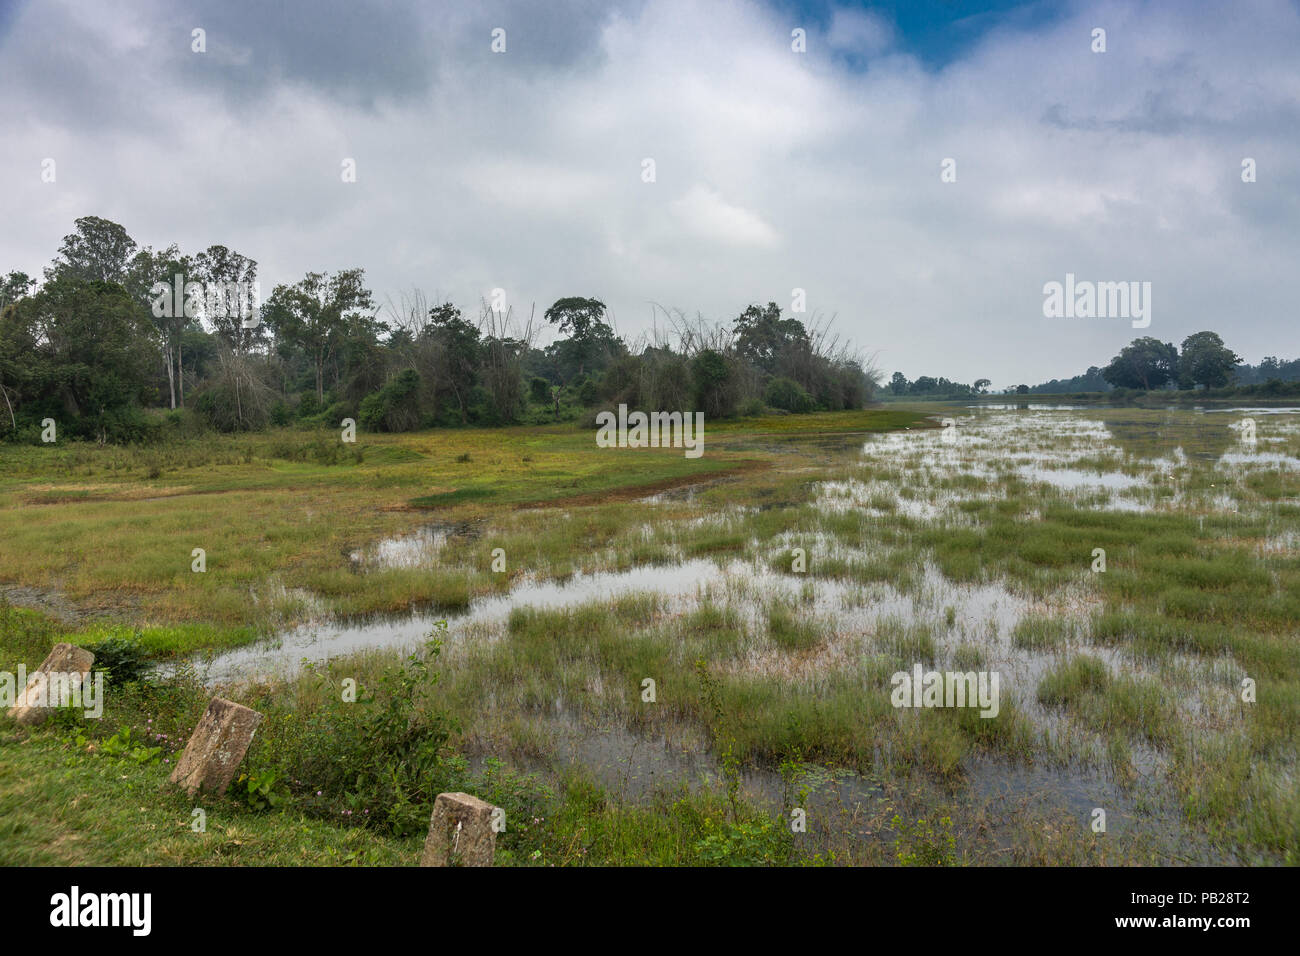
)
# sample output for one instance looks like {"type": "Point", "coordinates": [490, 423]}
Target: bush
{"type": "Point", "coordinates": [379, 760]}
{"type": "Point", "coordinates": [393, 407]}
{"type": "Point", "coordinates": [539, 390]}
{"type": "Point", "coordinates": [715, 392]}
{"type": "Point", "coordinates": [308, 405]}
{"type": "Point", "coordinates": [787, 394]}
{"type": "Point", "coordinates": [122, 658]}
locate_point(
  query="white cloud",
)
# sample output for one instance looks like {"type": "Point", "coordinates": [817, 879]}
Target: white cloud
{"type": "Point", "coordinates": [706, 214]}
{"type": "Point", "coordinates": [774, 169]}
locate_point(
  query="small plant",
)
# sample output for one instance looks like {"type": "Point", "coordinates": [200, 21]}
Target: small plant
{"type": "Point", "coordinates": [726, 751]}
{"type": "Point", "coordinates": [124, 744]}
{"type": "Point", "coordinates": [260, 789]}
{"type": "Point", "coordinates": [923, 844]}
{"type": "Point", "coordinates": [762, 842]}
{"type": "Point", "coordinates": [121, 658]}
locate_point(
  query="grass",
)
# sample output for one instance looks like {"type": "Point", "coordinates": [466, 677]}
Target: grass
{"type": "Point", "coordinates": [1190, 604]}
{"type": "Point", "coordinates": [112, 530]}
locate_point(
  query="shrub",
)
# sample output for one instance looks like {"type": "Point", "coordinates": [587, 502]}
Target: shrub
{"type": "Point", "coordinates": [787, 394]}
{"type": "Point", "coordinates": [393, 407]}
{"type": "Point", "coordinates": [539, 390]}
{"type": "Point", "coordinates": [379, 760]}
{"type": "Point", "coordinates": [122, 658]}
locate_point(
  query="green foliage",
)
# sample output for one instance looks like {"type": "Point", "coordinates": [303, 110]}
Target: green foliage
{"type": "Point", "coordinates": [924, 844]}
{"type": "Point", "coordinates": [122, 658]}
{"type": "Point", "coordinates": [539, 391]}
{"type": "Point", "coordinates": [760, 842]}
{"type": "Point", "coordinates": [1206, 361]}
{"type": "Point", "coordinates": [711, 376]}
{"type": "Point", "coordinates": [786, 394]}
{"type": "Point", "coordinates": [260, 790]}
{"type": "Point", "coordinates": [124, 744]}
{"type": "Point", "coordinates": [376, 761]}
{"type": "Point", "coordinates": [1144, 363]}
{"type": "Point", "coordinates": [393, 408]}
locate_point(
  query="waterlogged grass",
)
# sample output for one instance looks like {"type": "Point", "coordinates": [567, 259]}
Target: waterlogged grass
{"type": "Point", "coordinates": [1124, 618]}
{"type": "Point", "coordinates": [114, 530]}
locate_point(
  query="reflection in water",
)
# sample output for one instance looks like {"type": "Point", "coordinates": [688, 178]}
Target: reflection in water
{"type": "Point", "coordinates": [1158, 434]}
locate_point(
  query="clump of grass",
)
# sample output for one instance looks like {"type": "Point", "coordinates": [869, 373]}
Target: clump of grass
{"type": "Point", "coordinates": [968, 657]}
{"type": "Point", "coordinates": [791, 632]}
{"type": "Point", "coordinates": [1038, 632]}
{"type": "Point", "coordinates": [908, 643]}
{"type": "Point", "coordinates": [1071, 681]}
{"type": "Point", "coordinates": [1138, 708]}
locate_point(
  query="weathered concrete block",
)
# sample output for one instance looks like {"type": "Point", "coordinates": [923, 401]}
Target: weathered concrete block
{"type": "Point", "coordinates": [216, 747]}
{"type": "Point", "coordinates": [460, 833]}
{"type": "Point", "coordinates": [66, 665]}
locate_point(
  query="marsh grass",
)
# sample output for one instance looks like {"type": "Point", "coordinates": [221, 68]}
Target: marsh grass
{"type": "Point", "coordinates": [1189, 582]}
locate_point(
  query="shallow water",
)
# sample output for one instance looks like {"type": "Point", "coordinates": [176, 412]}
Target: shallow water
{"type": "Point", "coordinates": [1143, 460]}
{"type": "Point", "coordinates": [1070, 450]}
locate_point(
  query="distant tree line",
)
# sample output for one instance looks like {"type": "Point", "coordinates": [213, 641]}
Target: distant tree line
{"type": "Point", "coordinates": [927, 386]}
{"type": "Point", "coordinates": [1202, 362]}
{"type": "Point", "coordinates": [113, 346]}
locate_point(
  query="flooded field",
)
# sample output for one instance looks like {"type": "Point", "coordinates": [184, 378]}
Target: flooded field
{"type": "Point", "coordinates": [1121, 571]}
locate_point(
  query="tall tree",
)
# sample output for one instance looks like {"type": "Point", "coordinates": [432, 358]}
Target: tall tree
{"type": "Point", "coordinates": [457, 343]}
{"type": "Point", "coordinates": [100, 250]}
{"type": "Point", "coordinates": [1145, 363]}
{"type": "Point", "coordinates": [15, 286]}
{"type": "Point", "coordinates": [81, 350]}
{"type": "Point", "coordinates": [313, 314]}
{"type": "Point", "coordinates": [230, 303]}
{"type": "Point", "coordinates": [583, 320]}
{"type": "Point", "coordinates": [1205, 360]}
{"type": "Point", "coordinates": [150, 271]}
{"type": "Point", "coordinates": [762, 336]}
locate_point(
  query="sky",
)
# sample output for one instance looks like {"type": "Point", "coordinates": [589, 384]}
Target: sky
{"type": "Point", "coordinates": [774, 170]}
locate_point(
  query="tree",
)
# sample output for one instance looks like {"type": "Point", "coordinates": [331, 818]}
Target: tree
{"type": "Point", "coordinates": [460, 353]}
{"type": "Point", "coordinates": [583, 321]}
{"type": "Point", "coordinates": [99, 251]}
{"type": "Point", "coordinates": [147, 270]}
{"type": "Point", "coordinates": [1145, 363]}
{"type": "Point", "coordinates": [79, 350]}
{"type": "Point", "coordinates": [898, 384]}
{"type": "Point", "coordinates": [1205, 360]}
{"type": "Point", "coordinates": [711, 375]}
{"type": "Point", "coordinates": [762, 336]}
{"type": "Point", "coordinates": [981, 384]}
{"type": "Point", "coordinates": [314, 314]}
{"type": "Point", "coordinates": [15, 286]}
{"type": "Point", "coordinates": [229, 303]}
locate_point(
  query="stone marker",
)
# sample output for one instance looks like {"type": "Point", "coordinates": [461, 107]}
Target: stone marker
{"type": "Point", "coordinates": [216, 747]}
{"type": "Point", "coordinates": [34, 705]}
{"type": "Point", "coordinates": [460, 832]}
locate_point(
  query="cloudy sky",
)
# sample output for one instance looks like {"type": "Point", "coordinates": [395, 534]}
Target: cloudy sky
{"type": "Point", "coordinates": [774, 170]}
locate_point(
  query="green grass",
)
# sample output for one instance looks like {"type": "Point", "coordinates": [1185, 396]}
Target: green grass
{"type": "Point", "coordinates": [1188, 605]}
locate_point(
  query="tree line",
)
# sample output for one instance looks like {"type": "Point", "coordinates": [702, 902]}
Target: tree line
{"type": "Point", "coordinates": [119, 341]}
{"type": "Point", "coordinates": [1202, 362]}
